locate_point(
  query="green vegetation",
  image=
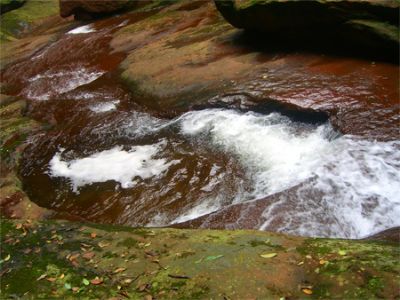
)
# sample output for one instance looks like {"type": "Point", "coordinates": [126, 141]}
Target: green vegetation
{"type": "Point", "coordinates": [17, 21]}
{"type": "Point", "coordinates": [70, 260]}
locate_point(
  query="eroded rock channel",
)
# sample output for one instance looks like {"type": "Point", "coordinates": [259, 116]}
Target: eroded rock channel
{"type": "Point", "coordinates": [154, 119]}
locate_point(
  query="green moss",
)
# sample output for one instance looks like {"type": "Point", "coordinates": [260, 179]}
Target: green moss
{"type": "Point", "coordinates": [15, 22]}
{"type": "Point", "coordinates": [376, 284]}
{"type": "Point", "coordinates": [128, 242]}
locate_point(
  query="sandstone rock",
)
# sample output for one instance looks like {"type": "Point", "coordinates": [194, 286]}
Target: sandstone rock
{"type": "Point", "coordinates": [370, 26]}
{"type": "Point", "coordinates": [84, 9]}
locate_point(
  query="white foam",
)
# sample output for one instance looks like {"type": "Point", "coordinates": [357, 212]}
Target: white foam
{"type": "Point", "coordinates": [62, 81]}
{"type": "Point", "coordinates": [82, 29]}
{"type": "Point", "coordinates": [275, 155]}
{"type": "Point", "coordinates": [356, 193]}
{"type": "Point", "coordinates": [207, 206]}
{"type": "Point", "coordinates": [350, 187]}
{"type": "Point", "coordinates": [114, 164]}
{"type": "Point", "coordinates": [104, 107]}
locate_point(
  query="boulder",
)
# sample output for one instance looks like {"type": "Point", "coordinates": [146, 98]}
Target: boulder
{"type": "Point", "coordinates": [370, 26]}
{"type": "Point", "coordinates": [89, 9]}
{"type": "Point", "coordinates": [9, 5]}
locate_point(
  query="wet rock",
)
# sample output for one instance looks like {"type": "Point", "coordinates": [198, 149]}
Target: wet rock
{"type": "Point", "coordinates": [388, 235]}
{"type": "Point", "coordinates": [369, 26]}
{"type": "Point", "coordinates": [31, 16]}
{"type": "Point", "coordinates": [84, 9]}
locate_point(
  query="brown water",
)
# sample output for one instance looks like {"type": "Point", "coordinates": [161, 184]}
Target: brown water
{"type": "Point", "coordinates": [213, 159]}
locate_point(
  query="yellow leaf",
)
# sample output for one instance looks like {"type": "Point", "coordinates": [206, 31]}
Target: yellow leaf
{"type": "Point", "coordinates": [119, 270]}
{"type": "Point", "coordinates": [307, 291]}
{"type": "Point", "coordinates": [7, 258]}
{"type": "Point", "coordinates": [322, 262]}
{"type": "Point", "coordinates": [268, 255]}
{"type": "Point", "coordinates": [103, 244]}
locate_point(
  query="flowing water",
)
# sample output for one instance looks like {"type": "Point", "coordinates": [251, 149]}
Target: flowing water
{"type": "Point", "coordinates": [107, 159]}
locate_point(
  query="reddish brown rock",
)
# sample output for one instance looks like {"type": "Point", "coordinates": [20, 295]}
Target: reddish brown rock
{"type": "Point", "coordinates": [84, 9]}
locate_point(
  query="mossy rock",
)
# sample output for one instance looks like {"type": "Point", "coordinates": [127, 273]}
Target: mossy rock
{"type": "Point", "coordinates": [370, 27]}
{"type": "Point", "coordinates": [71, 260]}
{"type": "Point", "coordinates": [18, 21]}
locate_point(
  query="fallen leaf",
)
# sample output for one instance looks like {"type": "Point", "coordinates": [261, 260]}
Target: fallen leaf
{"type": "Point", "coordinates": [85, 281]}
{"type": "Point", "coordinates": [103, 244]}
{"type": "Point", "coordinates": [73, 257]}
{"type": "Point", "coordinates": [75, 263]}
{"type": "Point", "coordinates": [148, 297]}
{"type": "Point", "coordinates": [128, 280]}
{"type": "Point", "coordinates": [75, 289]}
{"type": "Point", "coordinates": [67, 286]}
{"type": "Point", "coordinates": [178, 276]}
{"type": "Point", "coordinates": [96, 281]}
{"type": "Point", "coordinates": [51, 279]}
{"type": "Point", "coordinates": [268, 255]}
{"type": "Point", "coordinates": [119, 270]}
{"type": "Point", "coordinates": [213, 257]}
{"type": "Point", "coordinates": [322, 262]}
{"type": "Point", "coordinates": [198, 261]}
{"type": "Point", "coordinates": [142, 287]}
{"type": "Point", "coordinates": [7, 258]}
{"type": "Point", "coordinates": [18, 226]}
{"type": "Point", "coordinates": [150, 253]}
{"type": "Point", "coordinates": [93, 235]}
{"type": "Point", "coordinates": [307, 291]}
{"type": "Point", "coordinates": [300, 263]}
{"type": "Point", "coordinates": [41, 277]}
{"type": "Point", "coordinates": [88, 255]}
{"type": "Point", "coordinates": [342, 252]}
{"type": "Point", "coordinates": [27, 251]}
{"type": "Point", "coordinates": [62, 276]}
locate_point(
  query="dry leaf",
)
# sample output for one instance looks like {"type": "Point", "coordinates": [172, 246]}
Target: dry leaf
{"type": "Point", "coordinates": [88, 255]}
{"type": "Point", "coordinates": [93, 235]}
{"type": "Point", "coordinates": [7, 258]}
{"type": "Point", "coordinates": [73, 257]}
{"type": "Point", "coordinates": [27, 251]}
{"type": "Point", "coordinates": [307, 291]}
{"type": "Point", "coordinates": [41, 277]}
{"type": "Point", "coordinates": [103, 244]}
{"type": "Point", "coordinates": [148, 297]}
{"type": "Point", "coordinates": [119, 270]}
{"type": "Point", "coordinates": [142, 287]}
{"type": "Point", "coordinates": [51, 279]}
{"type": "Point", "coordinates": [18, 226]}
{"type": "Point", "coordinates": [268, 255]}
{"type": "Point", "coordinates": [96, 281]}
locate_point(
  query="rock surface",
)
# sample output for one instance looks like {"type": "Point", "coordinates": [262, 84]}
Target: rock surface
{"type": "Point", "coordinates": [70, 260]}
{"type": "Point", "coordinates": [84, 9]}
{"type": "Point", "coordinates": [367, 26]}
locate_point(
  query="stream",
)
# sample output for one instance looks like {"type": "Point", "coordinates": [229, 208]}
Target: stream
{"type": "Point", "coordinates": [109, 159]}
